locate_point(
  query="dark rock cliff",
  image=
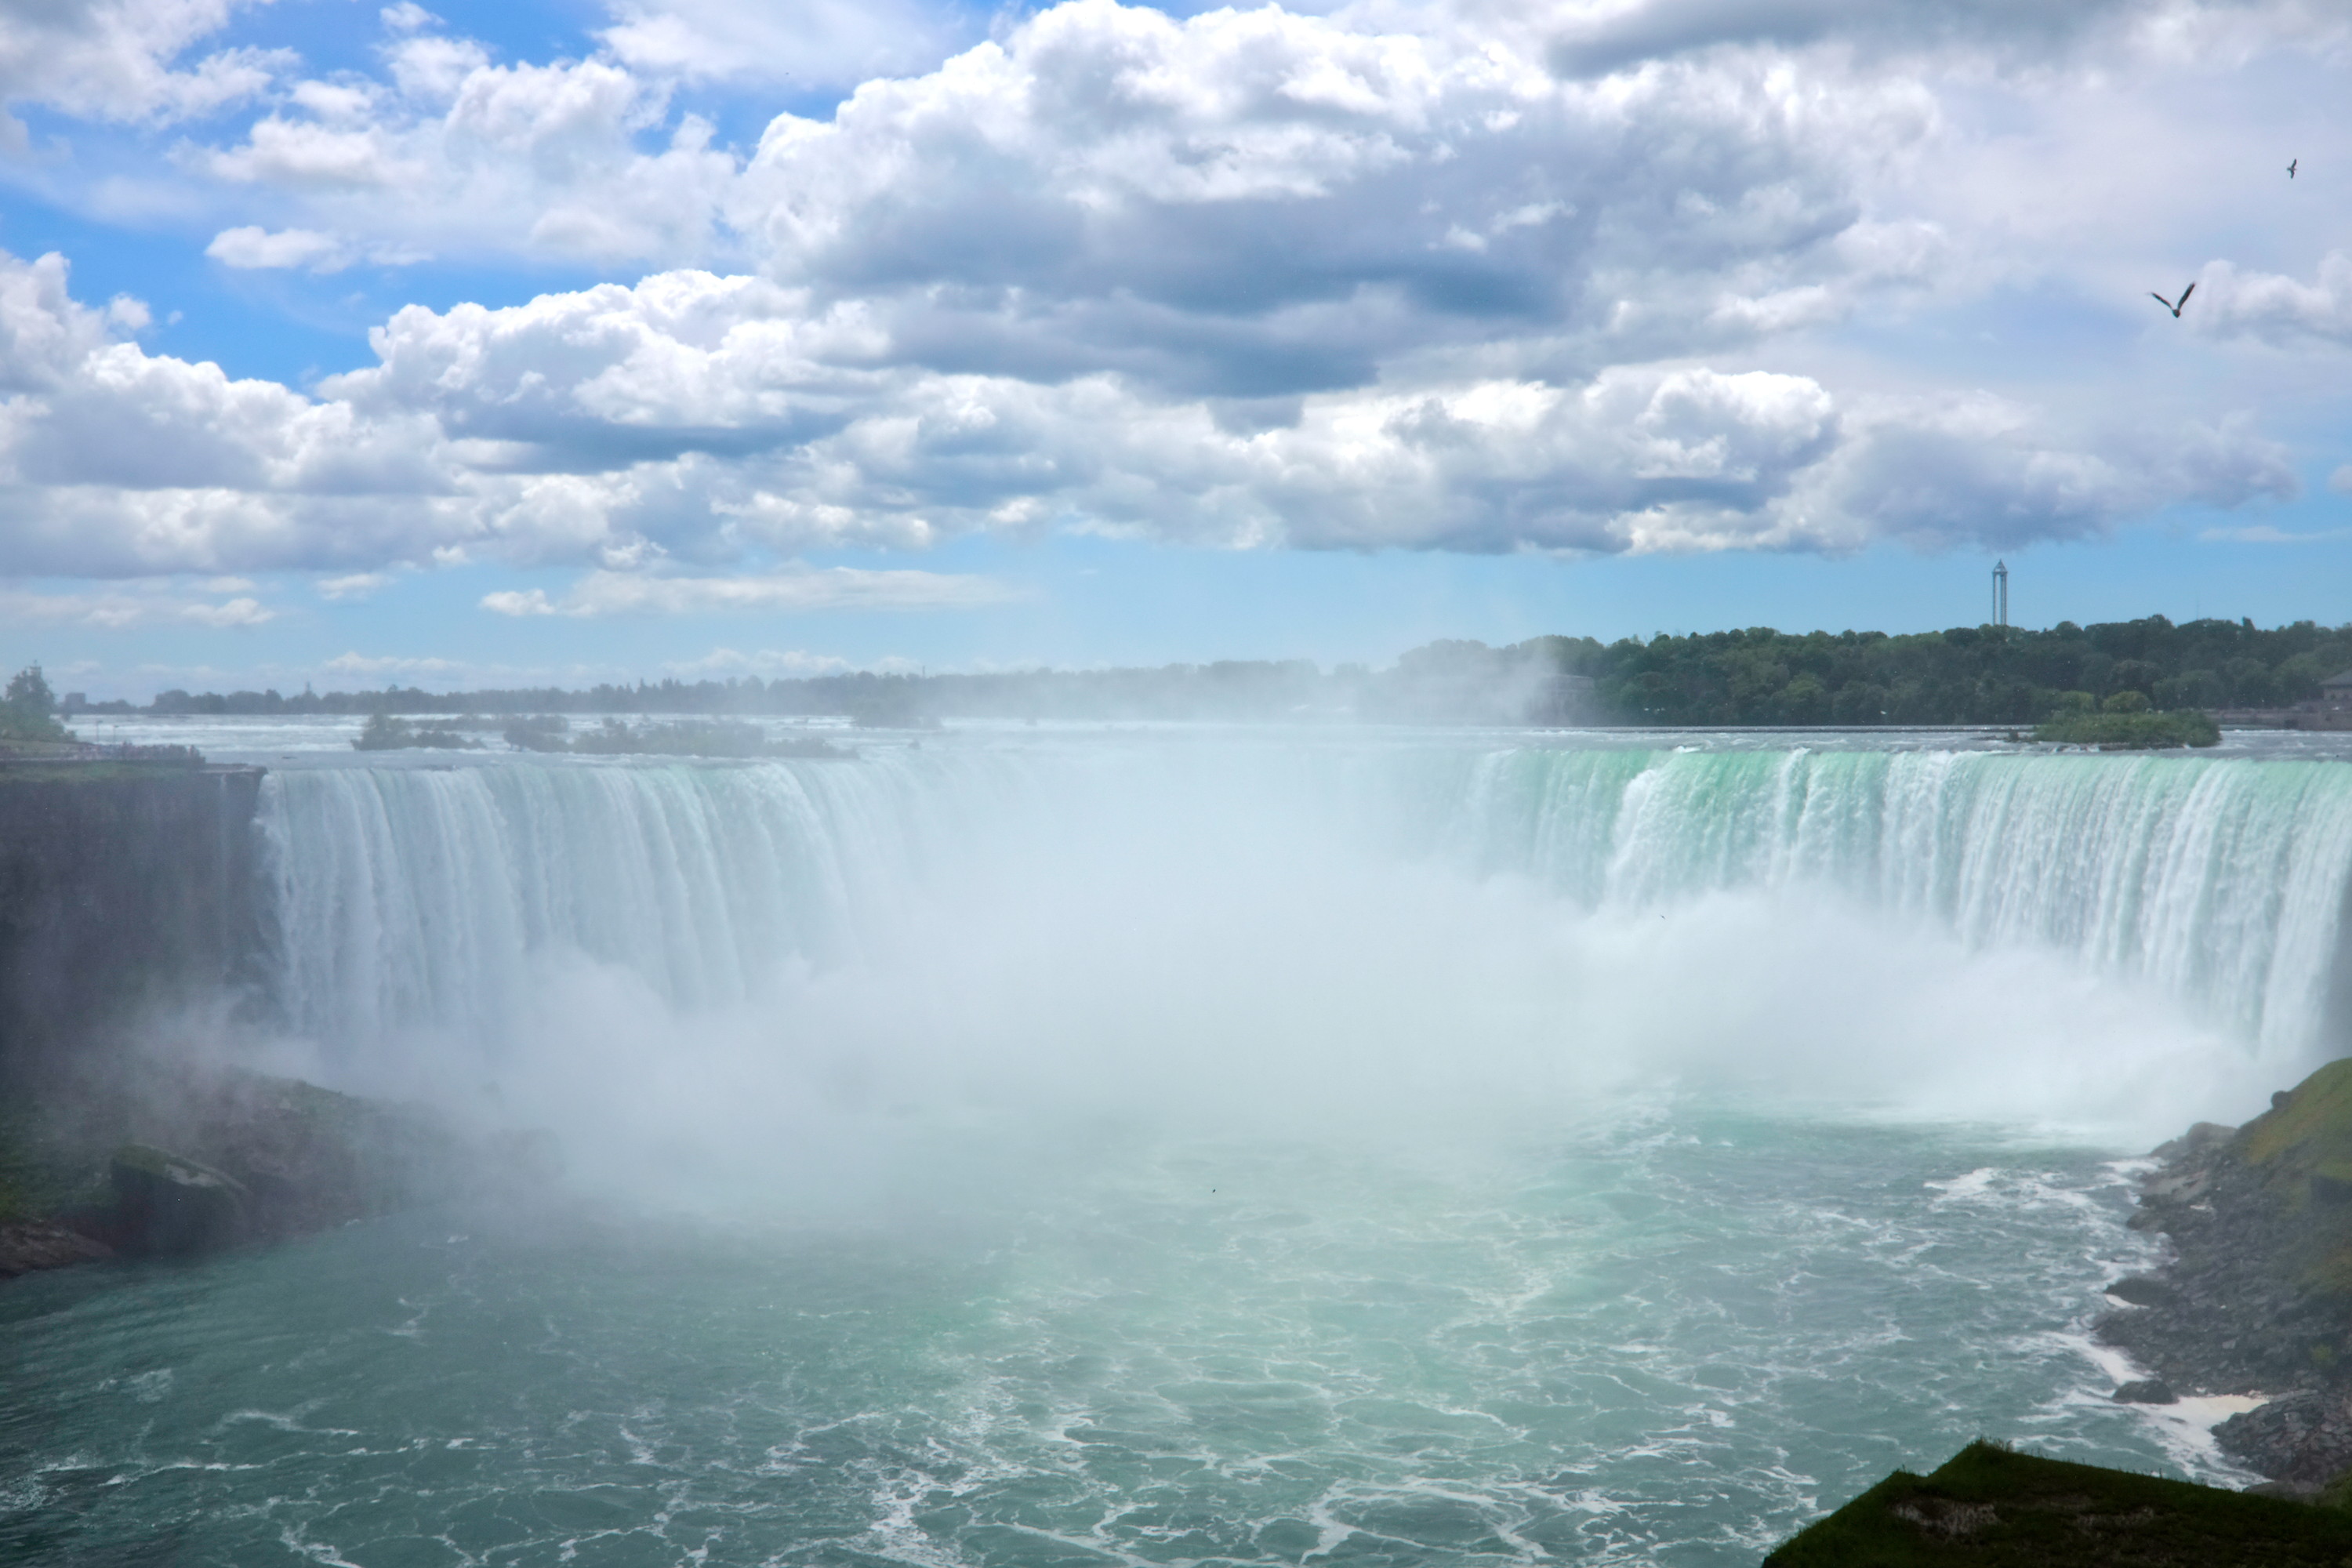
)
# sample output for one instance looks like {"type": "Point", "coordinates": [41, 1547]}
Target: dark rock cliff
{"type": "Point", "coordinates": [2256, 1296]}
{"type": "Point", "coordinates": [123, 886]}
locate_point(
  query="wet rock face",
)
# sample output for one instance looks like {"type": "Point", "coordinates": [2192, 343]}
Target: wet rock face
{"type": "Point", "coordinates": [2305, 1437]}
{"type": "Point", "coordinates": [2256, 1296]}
{"type": "Point", "coordinates": [28, 1244]}
{"type": "Point", "coordinates": [120, 886]}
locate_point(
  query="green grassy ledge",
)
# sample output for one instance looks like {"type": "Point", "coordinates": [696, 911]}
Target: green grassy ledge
{"type": "Point", "coordinates": [1992, 1508]}
{"type": "Point", "coordinates": [2131, 732]}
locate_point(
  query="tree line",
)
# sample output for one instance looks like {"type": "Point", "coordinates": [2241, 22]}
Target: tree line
{"type": "Point", "coordinates": [1965, 675]}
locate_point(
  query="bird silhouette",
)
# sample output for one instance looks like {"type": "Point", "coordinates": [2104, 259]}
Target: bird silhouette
{"type": "Point", "coordinates": [2173, 305]}
{"type": "Point", "coordinates": [2291, 162]}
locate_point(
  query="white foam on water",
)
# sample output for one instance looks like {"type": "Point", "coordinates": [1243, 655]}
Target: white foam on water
{"type": "Point", "coordinates": [2184, 1429]}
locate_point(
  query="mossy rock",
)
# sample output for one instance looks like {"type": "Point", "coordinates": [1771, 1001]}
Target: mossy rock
{"type": "Point", "coordinates": [1991, 1507]}
{"type": "Point", "coordinates": [2309, 1126]}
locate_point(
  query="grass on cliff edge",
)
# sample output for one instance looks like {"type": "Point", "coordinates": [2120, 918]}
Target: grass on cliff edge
{"type": "Point", "coordinates": [2131, 732]}
{"type": "Point", "coordinates": [2310, 1127]}
{"type": "Point", "coordinates": [1991, 1507]}
{"type": "Point", "coordinates": [2302, 1148]}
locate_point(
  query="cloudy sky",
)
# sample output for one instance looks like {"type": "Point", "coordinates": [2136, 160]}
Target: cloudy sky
{"type": "Point", "coordinates": [573, 339]}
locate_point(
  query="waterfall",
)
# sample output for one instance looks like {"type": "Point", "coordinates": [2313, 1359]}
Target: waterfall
{"type": "Point", "coordinates": [417, 897]}
{"type": "Point", "coordinates": [412, 897]}
{"type": "Point", "coordinates": [2221, 882]}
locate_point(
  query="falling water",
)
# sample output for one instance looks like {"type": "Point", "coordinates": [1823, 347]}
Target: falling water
{"type": "Point", "coordinates": [412, 895]}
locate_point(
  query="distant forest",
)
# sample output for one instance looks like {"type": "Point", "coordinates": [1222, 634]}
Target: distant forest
{"type": "Point", "coordinates": [1968, 675]}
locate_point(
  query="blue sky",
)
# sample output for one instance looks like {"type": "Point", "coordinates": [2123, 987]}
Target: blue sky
{"type": "Point", "coordinates": [349, 343]}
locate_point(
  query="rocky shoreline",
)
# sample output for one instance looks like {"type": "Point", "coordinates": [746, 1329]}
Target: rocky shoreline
{"type": "Point", "coordinates": [200, 1164]}
{"type": "Point", "coordinates": [2256, 1295]}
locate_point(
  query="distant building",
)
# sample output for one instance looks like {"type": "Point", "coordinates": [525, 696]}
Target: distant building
{"type": "Point", "coordinates": [2332, 709]}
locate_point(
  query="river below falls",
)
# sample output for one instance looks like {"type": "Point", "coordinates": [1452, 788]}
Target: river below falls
{"type": "Point", "coordinates": [1673, 1340]}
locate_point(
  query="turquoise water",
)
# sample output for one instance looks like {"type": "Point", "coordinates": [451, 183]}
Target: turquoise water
{"type": "Point", "coordinates": [1155, 1148]}
{"type": "Point", "coordinates": [1671, 1343]}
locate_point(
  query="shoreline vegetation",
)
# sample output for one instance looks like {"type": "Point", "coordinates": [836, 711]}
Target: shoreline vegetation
{"type": "Point", "coordinates": [1963, 675]}
{"type": "Point", "coordinates": [2130, 732]}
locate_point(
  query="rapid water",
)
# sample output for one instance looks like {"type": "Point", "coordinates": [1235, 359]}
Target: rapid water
{"type": "Point", "coordinates": [1159, 1147]}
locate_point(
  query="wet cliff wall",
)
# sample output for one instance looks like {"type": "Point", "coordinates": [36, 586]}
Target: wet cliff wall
{"type": "Point", "coordinates": [123, 887]}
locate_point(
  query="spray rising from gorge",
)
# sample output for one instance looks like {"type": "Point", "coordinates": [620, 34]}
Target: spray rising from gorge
{"type": "Point", "coordinates": [1358, 929]}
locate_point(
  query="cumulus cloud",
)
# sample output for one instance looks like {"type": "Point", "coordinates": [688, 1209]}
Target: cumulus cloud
{"type": "Point", "coordinates": [1986, 471]}
{"type": "Point", "coordinates": [2279, 310]}
{"type": "Point", "coordinates": [1610, 37]}
{"type": "Point", "coordinates": [114, 461]}
{"type": "Point", "coordinates": [124, 60]}
{"type": "Point", "coordinates": [697, 424]}
{"type": "Point", "coordinates": [1408, 275]}
{"type": "Point", "coordinates": [452, 152]}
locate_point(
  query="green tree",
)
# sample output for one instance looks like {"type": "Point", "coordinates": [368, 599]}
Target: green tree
{"type": "Point", "coordinates": [27, 707]}
{"type": "Point", "coordinates": [28, 692]}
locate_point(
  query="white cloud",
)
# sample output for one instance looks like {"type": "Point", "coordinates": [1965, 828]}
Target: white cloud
{"type": "Point", "coordinates": [1414, 275]}
{"type": "Point", "coordinates": [2340, 481]}
{"type": "Point", "coordinates": [602, 594]}
{"type": "Point", "coordinates": [354, 586]}
{"type": "Point", "coordinates": [115, 60]}
{"type": "Point", "coordinates": [138, 605]}
{"type": "Point", "coordinates": [698, 424]}
{"type": "Point", "coordinates": [814, 43]}
{"type": "Point", "coordinates": [252, 248]}
{"type": "Point", "coordinates": [2277, 308]}
{"type": "Point", "coordinates": [457, 154]}
{"type": "Point", "coordinates": [116, 462]}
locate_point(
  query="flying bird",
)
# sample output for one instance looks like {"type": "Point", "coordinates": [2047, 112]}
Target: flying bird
{"type": "Point", "coordinates": [2291, 162]}
{"type": "Point", "coordinates": [2173, 305]}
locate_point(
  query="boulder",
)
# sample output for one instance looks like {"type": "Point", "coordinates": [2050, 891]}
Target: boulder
{"type": "Point", "coordinates": [2146, 1391]}
{"type": "Point", "coordinates": [28, 1244]}
{"type": "Point", "coordinates": [169, 1206]}
{"type": "Point", "coordinates": [2201, 1138]}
